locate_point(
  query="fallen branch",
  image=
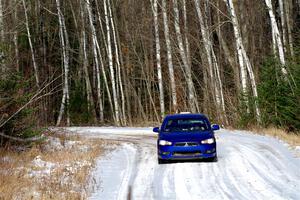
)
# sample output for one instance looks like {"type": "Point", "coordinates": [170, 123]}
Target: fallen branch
{"type": "Point", "coordinates": [33, 139]}
{"type": "Point", "coordinates": [35, 97]}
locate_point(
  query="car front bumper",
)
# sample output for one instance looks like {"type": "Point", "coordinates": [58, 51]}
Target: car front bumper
{"type": "Point", "coordinates": [187, 153]}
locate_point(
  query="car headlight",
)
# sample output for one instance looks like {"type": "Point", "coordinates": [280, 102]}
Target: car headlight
{"type": "Point", "coordinates": [164, 143]}
{"type": "Point", "coordinates": [208, 141]}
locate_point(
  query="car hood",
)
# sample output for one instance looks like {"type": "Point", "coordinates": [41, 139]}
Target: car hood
{"type": "Point", "coordinates": [185, 136]}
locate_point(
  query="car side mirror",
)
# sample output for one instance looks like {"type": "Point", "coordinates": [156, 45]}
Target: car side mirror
{"type": "Point", "coordinates": [215, 127]}
{"type": "Point", "coordinates": [156, 129]}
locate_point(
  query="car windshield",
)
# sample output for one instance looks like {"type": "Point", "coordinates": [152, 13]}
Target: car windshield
{"type": "Point", "coordinates": [184, 125]}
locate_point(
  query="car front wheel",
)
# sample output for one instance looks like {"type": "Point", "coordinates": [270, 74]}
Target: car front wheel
{"type": "Point", "coordinates": [213, 159]}
{"type": "Point", "coordinates": [161, 161]}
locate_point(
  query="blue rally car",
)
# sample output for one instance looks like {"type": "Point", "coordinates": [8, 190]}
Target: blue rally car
{"type": "Point", "coordinates": [186, 136]}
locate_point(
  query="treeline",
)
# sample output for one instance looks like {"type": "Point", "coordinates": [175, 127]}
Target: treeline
{"type": "Point", "coordinates": [77, 62]}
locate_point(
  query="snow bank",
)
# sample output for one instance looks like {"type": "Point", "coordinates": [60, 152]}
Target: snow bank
{"type": "Point", "coordinates": [112, 130]}
{"type": "Point", "coordinates": [40, 168]}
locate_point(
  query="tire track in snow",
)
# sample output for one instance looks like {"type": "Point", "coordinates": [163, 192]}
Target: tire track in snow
{"type": "Point", "coordinates": [129, 169]}
{"type": "Point", "coordinates": [145, 174]}
{"type": "Point", "coordinates": [180, 182]}
{"type": "Point", "coordinates": [114, 172]}
{"type": "Point", "coordinates": [240, 170]}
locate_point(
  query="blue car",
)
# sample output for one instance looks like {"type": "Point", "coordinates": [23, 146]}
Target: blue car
{"type": "Point", "coordinates": [186, 137]}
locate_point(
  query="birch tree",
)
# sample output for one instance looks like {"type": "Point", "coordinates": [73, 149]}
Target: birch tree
{"type": "Point", "coordinates": [96, 60]}
{"type": "Point", "coordinates": [276, 37]}
{"type": "Point", "coordinates": [287, 7]}
{"type": "Point", "coordinates": [283, 25]}
{"type": "Point", "coordinates": [2, 65]}
{"type": "Point", "coordinates": [184, 58]}
{"type": "Point", "coordinates": [214, 71]}
{"type": "Point", "coordinates": [186, 32]}
{"type": "Point", "coordinates": [158, 59]}
{"type": "Point", "coordinates": [64, 40]}
{"type": "Point", "coordinates": [244, 62]}
{"type": "Point", "coordinates": [1, 22]}
{"type": "Point", "coordinates": [15, 35]}
{"type": "Point", "coordinates": [169, 56]}
{"type": "Point", "coordinates": [118, 63]}
{"type": "Point", "coordinates": [238, 43]}
{"type": "Point", "coordinates": [88, 85]}
{"type": "Point", "coordinates": [99, 53]}
{"type": "Point", "coordinates": [36, 74]}
{"type": "Point", "coordinates": [111, 67]}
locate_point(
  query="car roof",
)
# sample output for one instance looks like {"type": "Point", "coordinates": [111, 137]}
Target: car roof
{"type": "Point", "coordinates": [185, 116]}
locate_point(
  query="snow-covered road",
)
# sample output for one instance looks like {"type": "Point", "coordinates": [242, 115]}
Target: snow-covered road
{"type": "Point", "coordinates": [249, 167]}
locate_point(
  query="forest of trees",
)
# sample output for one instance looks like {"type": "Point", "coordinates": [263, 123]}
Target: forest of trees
{"type": "Point", "coordinates": [84, 62]}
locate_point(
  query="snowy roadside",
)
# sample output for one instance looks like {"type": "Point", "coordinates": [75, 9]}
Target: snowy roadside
{"type": "Point", "coordinates": [57, 169]}
{"type": "Point", "coordinates": [290, 140]}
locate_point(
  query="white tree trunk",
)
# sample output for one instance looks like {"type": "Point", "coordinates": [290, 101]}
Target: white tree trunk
{"type": "Point", "coordinates": [158, 60]}
{"type": "Point", "coordinates": [2, 36]}
{"type": "Point", "coordinates": [86, 74]}
{"type": "Point", "coordinates": [184, 58]}
{"type": "Point", "coordinates": [16, 37]}
{"type": "Point", "coordinates": [66, 64]}
{"type": "Point", "coordinates": [288, 5]}
{"type": "Point", "coordinates": [186, 32]}
{"type": "Point", "coordinates": [231, 60]}
{"type": "Point", "coordinates": [111, 67]}
{"type": "Point", "coordinates": [94, 42]}
{"type": "Point", "coordinates": [17, 51]}
{"type": "Point", "coordinates": [244, 61]}
{"type": "Point", "coordinates": [65, 51]}
{"type": "Point", "coordinates": [36, 74]}
{"type": "Point", "coordinates": [89, 92]}
{"type": "Point", "coordinates": [283, 24]}
{"type": "Point", "coordinates": [207, 46]}
{"type": "Point", "coordinates": [219, 90]}
{"type": "Point", "coordinates": [253, 84]}
{"type": "Point", "coordinates": [3, 67]}
{"type": "Point", "coordinates": [238, 38]}
{"type": "Point", "coordinates": [101, 61]}
{"type": "Point", "coordinates": [213, 64]}
{"type": "Point", "coordinates": [169, 56]}
{"type": "Point", "coordinates": [276, 36]}
{"type": "Point", "coordinates": [117, 52]}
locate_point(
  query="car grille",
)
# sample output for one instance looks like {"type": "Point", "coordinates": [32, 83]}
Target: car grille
{"type": "Point", "coordinates": [186, 144]}
{"type": "Point", "coordinates": [187, 153]}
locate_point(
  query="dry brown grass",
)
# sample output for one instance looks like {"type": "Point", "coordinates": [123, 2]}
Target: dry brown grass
{"type": "Point", "coordinates": [291, 138]}
{"type": "Point", "coordinates": [67, 179]}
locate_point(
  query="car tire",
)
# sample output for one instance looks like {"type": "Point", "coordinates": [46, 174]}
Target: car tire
{"type": "Point", "coordinates": [161, 161]}
{"type": "Point", "coordinates": [213, 159]}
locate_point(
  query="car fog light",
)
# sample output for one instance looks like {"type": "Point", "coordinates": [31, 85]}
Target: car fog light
{"type": "Point", "coordinates": [211, 151]}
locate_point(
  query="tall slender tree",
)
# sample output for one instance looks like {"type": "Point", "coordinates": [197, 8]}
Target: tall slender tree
{"type": "Point", "coordinates": [158, 59]}
{"type": "Point", "coordinates": [214, 70]}
{"type": "Point", "coordinates": [118, 63]}
{"type": "Point", "coordinates": [184, 58]}
{"type": "Point", "coordinates": [244, 62]}
{"type": "Point", "coordinates": [36, 73]}
{"type": "Point", "coordinates": [65, 45]}
{"type": "Point", "coordinates": [96, 59]}
{"type": "Point", "coordinates": [111, 67]}
{"type": "Point", "coordinates": [276, 36]}
{"type": "Point", "coordinates": [89, 92]}
{"type": "Point", "coordinates": [169, 55]}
